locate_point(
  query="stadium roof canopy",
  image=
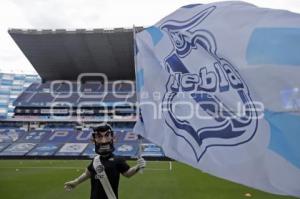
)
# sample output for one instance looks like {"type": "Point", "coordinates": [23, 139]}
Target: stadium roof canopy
{"type": "Point", "coordinates": [63, 55]}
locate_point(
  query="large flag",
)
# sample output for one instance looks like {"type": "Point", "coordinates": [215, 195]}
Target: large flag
{"type": "Point", "coordinates": [219, 89]}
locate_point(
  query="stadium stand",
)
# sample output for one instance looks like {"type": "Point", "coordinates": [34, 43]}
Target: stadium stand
{"type": "Point", "coordinates": [51, 115]}
{"type": "Point", "coordinates": [67, 142]}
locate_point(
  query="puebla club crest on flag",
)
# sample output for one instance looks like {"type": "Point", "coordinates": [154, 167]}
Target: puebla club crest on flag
{"type": "Point", "coordinates": [196, 49]}
{"type": "Point", "coordinates": [218, 88]}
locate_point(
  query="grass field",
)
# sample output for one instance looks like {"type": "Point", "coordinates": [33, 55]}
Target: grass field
{"type": "Point", "coordinates": [44, 179]}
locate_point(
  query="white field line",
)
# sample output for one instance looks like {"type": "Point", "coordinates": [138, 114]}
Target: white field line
{"type": "Point", "coordinates": [148, 169]}
{"type": "Point", "coordinates": [41, 167]}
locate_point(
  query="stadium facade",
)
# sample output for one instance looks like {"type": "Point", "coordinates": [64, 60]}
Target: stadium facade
{"type": "Point", "coordinates": [11, 86]}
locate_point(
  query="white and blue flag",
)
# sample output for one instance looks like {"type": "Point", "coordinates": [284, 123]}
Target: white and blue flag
{"type": "Point", "coordinates": [219, 89]}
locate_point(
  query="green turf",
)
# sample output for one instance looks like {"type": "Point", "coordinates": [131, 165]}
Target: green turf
{"type": "Point", "coordinates": [44, 179]}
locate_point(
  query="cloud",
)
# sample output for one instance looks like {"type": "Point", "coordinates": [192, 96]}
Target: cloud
{"type": "Point", "coordinates": [71, 14]}
{"type": "Point", "coordinates": [61, 13]}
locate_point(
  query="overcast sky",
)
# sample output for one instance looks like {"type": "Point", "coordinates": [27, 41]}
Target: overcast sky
{"type": "Point", "coordinates": [89, 14]}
